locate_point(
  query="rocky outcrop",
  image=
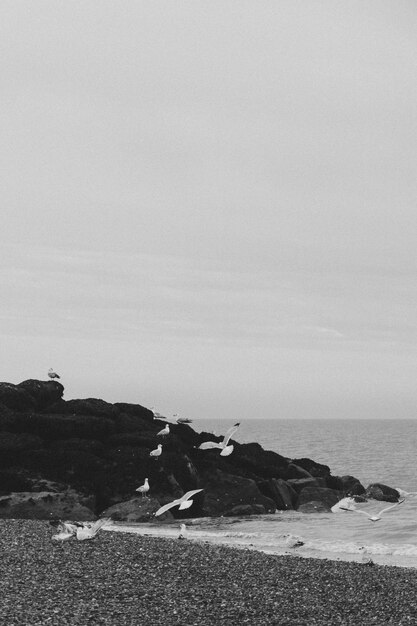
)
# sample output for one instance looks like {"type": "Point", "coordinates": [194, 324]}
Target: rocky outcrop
{"type": "Point", "coordinates": [100, 452]}
{"type": "Point", "coordinates": [47, 505]}
{"type": "Point", "coordinates": [226, 494]}
{"type": "Point", "coordinates": [136, 510]}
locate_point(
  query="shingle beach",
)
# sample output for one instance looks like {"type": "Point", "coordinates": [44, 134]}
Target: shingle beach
{"type": "Point", "coordinates": [122, 578]}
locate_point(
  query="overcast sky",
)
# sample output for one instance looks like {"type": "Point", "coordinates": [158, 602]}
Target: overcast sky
{"type": "Point", "coordinates": [210, 207]}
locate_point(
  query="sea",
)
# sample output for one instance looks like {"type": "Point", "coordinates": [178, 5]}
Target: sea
{"type": "Point", "coordinates": [371, 450]}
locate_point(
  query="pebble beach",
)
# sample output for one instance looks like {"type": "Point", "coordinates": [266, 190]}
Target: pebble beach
{"type": "Point", "coordinates": [127, 579]}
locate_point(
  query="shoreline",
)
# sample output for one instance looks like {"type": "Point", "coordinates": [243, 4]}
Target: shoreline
{"type": "Point", "coordinates": [124, 578]}
{"type": "Point", "coordinates": [171, 531]}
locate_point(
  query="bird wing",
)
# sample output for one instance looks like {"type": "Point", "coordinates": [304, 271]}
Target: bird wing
{"type": "Point", "coordinates": [229, 433]}
{"type": "Point", "coordinates": [388, 508]}
{"type": "Point", "coordinates": [189, 494]}
{"type": "Point", "coordinates": [95, 527]}
{"type": "Point", "coordinates": [209, 445]}
{"type": "Point", "coordinates": [166, 507]}
{"type": "Point", "coordinates": [355, 511]}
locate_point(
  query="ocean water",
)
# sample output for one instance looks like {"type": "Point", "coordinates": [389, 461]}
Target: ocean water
{"type": "Point", "coordinates": [372, 450]}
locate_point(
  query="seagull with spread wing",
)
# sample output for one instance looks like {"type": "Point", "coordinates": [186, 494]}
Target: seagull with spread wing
{"type": "Point", "coordinates": [88, 530]}
{"type": "Point", "coordinates": [373, 518]}
{"type": "Point", "coordinates": [182, 503]}
{"type": "Point", "coordinates": [226, 450]}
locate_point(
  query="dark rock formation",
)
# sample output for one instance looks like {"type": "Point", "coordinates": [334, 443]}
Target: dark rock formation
{"type": "Point", "coordinates": [92, 454]}
{"type": "Point", "coordinates": [47, 505]}
{"type": "Point", "coordinates": [136, 510]}
{"type": "Point", "coordinates": [378, 491]}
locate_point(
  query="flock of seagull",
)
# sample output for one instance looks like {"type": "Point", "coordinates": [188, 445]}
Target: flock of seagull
{"type": "Point", "coordinates": [88, 530]}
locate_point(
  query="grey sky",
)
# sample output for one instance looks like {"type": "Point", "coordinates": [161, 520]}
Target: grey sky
{"type": "Point", "coordinates": [211, 206]}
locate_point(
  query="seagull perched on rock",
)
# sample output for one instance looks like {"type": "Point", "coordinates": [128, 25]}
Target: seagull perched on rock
{"type": "Point", "coordinates": [182, 503]}
{"type": "Point", "coordinates": [164, 432]}
{"type": "Point", "coordinates": [143, 489]}
{"type": "Point", "coordinates": [88, 530]}
{"type": "Point", "coordinates": [157, 452]}
{"type": "Point", "coordinates": [373, 518]}
{"type": "Point", "coordinates": [52, 374]}
{"type": "Point", "coordinates": [223, 445]}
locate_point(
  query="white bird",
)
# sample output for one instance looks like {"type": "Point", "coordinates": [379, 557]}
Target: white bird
{"type": "Point", "coordinates": [143, 489]}
{"type": "Point", "coordinates": [157, 452]}
{"type": "Point", "coordinates": [66, 530]}
{"type": "Point", "coordinates": [373, 518]}
{"type": "Point", "coordinates": [88, 530]}
{"type": "Point", "coordinates": [182, 503]}
{"type": "Point", "coordinates": [164, 432]}
{"type": "Point", "coordinates": [183, 532]}
{"type": "Point", "coordinates": [223, 445]}
{"type": "Point", "coordinates": [52, 374]}
{"type": "Point", "coordinates": [343, 504]}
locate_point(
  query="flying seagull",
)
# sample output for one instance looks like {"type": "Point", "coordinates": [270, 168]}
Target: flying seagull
{"type": "Point", "coordinates": [164, 432]}
{"type": "Point", "coordinates": [225, 449]}
{"type": "Point", "coordinates": [52, 374]}
{"type": "Point", "coordinates": [182, 503]}
{"type": "Point", "coordinates": [88, 530]}
{"type": "Point", "coordinates": [157, 452]}
{"type": "Point", "coordinates": [373, 518]}
{"type": "Point", "coordinates": [143, 489]}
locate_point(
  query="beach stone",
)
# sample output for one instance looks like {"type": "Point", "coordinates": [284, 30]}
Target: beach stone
{"type": "Point", "coordinates": [46, 505]}
{"type": "Point", "coordinates": [379, 491]}
{"type": "Point", "coordinates": [137, 509]}
{"type": "Point", "coordinates": [328, 497]}
{"type": "Point", "coordinates": [223, 492]}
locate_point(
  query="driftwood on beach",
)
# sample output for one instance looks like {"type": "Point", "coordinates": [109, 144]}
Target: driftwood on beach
{"type": "Point", "coordinates": [84, 458]}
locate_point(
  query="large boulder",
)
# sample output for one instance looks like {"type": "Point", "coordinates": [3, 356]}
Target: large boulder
{"type": "Point", "coordinates": [298, 484]}
{"type": "Point", "coordinates": [15, 397]}
{"type": "Point", "coordinates": [44, 393]}
{"type": "Point", "coordinates": [350, 485]}
{"type": "Point", "coordinates": [314, 469]}
{"type": "Point", "coordinates": [47, 505]}
{"type": "Point", "coordinates": [223, 492]}
{"type": "Point", "coordinates": [137, 509]}
{"type": "Point", "coordinates": [315, 506]}
{"type": "Point", "coordinates": [379, 491]}
{"type": "Point", "coordinates": [280, 492]}
{"type": "Point", "coordinates": [328, 497]}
